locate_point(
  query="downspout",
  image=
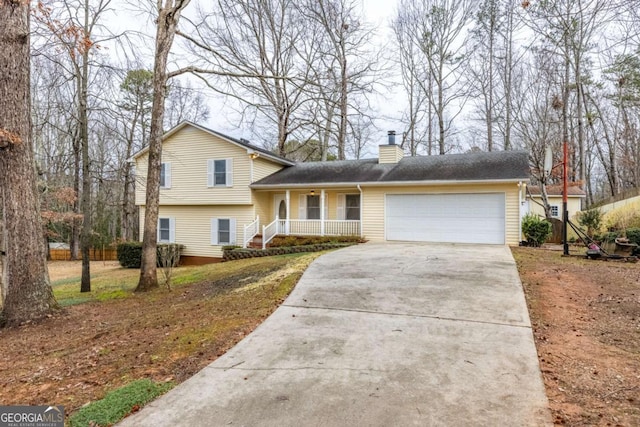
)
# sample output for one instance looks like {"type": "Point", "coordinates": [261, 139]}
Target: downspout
{"type": "Point", "coordinates": [520, 204]}
{"type": "Point", "coordinates": [322, 207]}
{"type": "Point", "coordinates": [361, 210]}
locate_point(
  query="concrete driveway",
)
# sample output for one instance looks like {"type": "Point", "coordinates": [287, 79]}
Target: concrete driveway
{"type": "Point", "coordinates": [379, 335]}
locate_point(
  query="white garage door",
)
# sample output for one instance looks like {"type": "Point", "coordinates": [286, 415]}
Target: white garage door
{"type": "Point", "coordinates": [452, 218]}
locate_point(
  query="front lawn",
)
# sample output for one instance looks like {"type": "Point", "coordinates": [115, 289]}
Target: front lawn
{"type": "Point", "coordinates": [111, 337]}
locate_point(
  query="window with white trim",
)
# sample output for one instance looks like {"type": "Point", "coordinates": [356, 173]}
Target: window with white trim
{"type": "Point", "coordinates": [223, 231]}
{"type": "Point", "coordinates": [555, 211]}
{"type": "Point", "coordinates": [348, 207]}
{"type": "Point", "coordinates": [352, 207]}
{"type": "Point", "coordinates": [166, 230]}
{"type": "Point", "coordinates": [313, 207]}
{"type": "Point", "coordinates": [220, 173]}
{"type": "Point", "coordinates": [165, 175]}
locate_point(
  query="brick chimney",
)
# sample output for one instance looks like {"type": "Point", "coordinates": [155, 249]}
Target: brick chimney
{"type": "Point", "coordinates": [390, 153]}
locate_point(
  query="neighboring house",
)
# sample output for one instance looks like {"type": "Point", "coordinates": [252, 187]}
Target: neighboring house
{"type": "Point", "coordinates": [217, 191]}
{"type": "Point", "coordinates": [534, 204]}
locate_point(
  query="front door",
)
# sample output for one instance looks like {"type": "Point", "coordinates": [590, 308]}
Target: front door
{"type": "Point", "coordinates": [280, 206]}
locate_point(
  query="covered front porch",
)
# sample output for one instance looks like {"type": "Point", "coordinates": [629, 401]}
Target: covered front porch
{"type": "Point", "coordinates": [305, 212]}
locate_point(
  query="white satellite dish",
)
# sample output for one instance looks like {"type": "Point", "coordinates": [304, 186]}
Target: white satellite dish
{"type": "Point", "coordinates": [548, 161]}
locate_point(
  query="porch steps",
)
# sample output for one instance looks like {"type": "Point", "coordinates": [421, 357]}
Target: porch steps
{"type": "Point", "coordinates": [256, 243]}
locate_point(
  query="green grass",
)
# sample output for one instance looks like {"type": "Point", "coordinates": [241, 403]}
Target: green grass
{"type": "Point", "coordinates": [118, 403]}
{"type": "Point", "coordinates": [120, 283]}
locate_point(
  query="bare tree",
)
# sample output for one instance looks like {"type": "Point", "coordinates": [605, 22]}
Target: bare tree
{"type": "Point", "coordinates": [415, 78]}
{"type": "Point", "coordinates": [569, 28]}
{"type": "Point", "coordinates": [169, 14]}
{"type": "Point", "coordinates": [493, 65]}
{"type": "Point", "coordinates": [28, 291]}
{"type": "Point", "coordinates": [439, 28]}
{"type": "Point", "coordinates": [72, 28]}
{"type": "Point", "coordinates": [257, 48]}
{"type": "Point", "coordinates": [347, 69]}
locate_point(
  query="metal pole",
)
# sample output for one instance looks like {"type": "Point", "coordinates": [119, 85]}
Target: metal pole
{"type": "Point", "coordinates": [565, 214]}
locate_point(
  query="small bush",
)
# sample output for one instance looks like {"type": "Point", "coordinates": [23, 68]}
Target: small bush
{"type": "Point", "coordinates": [591, 219]}
{"type": "Point", "coordinates": [118, 403]}
{"type": "Point", "coordinates": [130, 253]}
{"type": "Point", "coordinates": [536, 230]}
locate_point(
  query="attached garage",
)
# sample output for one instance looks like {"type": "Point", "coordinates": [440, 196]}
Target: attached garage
{"type": "Point", "coordinates": [446, 218]}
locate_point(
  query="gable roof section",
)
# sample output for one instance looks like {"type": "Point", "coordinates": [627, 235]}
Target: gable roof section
{"type": "Point", "coordinates": [470, 167]}
{"type": "Point", "coordinates": [241, 143]}
{"type": "Point", "coordinates": [556, 190]}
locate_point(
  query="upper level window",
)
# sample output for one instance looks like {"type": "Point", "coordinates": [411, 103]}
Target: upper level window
{"type": "Point", "coordinates": [165, 175]}
{"type": "Point", "coordinates": [220, 173]}
{"type": "Point", "coordinates": [555, 211]}
{"type": "Point", "coordinates": [313, 207]}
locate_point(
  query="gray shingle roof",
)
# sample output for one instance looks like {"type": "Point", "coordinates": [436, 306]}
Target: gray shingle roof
{"type": "Point", "coordinates": [478, 166]}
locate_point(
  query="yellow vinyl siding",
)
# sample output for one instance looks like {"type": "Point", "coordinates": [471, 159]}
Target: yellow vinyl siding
{"type": "Point", "coordinates": [263, 207]}
{"type": "Point", "coordinates": [263, 168]}
{"type": "Point", "coordinates": [390, 154]}
{"type": "Point", "coordinates": [188, 151]}
{"type": "Point", "coordinates": [373, 208]}
{"type": "Point", "coordinates": [573, 205]}
{"type": "Point", "coordinates": [193, 226]}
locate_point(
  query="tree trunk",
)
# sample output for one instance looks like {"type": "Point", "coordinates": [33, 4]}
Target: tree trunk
{"type": "Point", "coordinates": [28, 291]}
{"type": "Point", "coordinates": [74, 244]}
{"type": "Point", "coordinates": [490, 82]}
{"type": "Point", "coordinates": [344, 93]}
{"type": "Point", "coordinates": [168, 17]}
{"type": "Point", "coordinates": [508, 81]}
{"type": "Point", "coordinates": [126, 233]}
{"type": "Point", "coordinates": [85, 203]}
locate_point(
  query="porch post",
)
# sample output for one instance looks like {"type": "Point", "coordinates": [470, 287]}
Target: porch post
{"type": "Point", "coordinates": [288, 207]}
{"type": "Point", "coordinates": [322, 212]}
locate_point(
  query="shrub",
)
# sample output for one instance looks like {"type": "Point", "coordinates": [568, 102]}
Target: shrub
{"type": "Point", "coordinates": [536, 230]}
{"type": "Point", "coordinates": [130, 253]}
{"type": "Point", "coordinates": [233, 254]}
{"type": "Point", "coordinates": [286, 241]}
{"type": "Point", "coordinates": [591, 219]}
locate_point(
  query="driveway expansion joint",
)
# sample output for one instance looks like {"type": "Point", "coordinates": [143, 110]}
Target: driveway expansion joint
{"type": "Point", "coordinates": [424, 316]}
{"type": "Point", "coordinates": [306, 368]}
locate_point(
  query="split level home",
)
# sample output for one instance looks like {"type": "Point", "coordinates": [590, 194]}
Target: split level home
{"type": "Point", "coordinates": [216, 191]}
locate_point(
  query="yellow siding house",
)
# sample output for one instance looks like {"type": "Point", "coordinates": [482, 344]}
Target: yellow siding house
{"type": "Point", "coordinates": [216, 190]}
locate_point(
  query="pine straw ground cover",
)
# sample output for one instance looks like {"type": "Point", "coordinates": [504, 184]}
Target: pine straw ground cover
{"type": "Point", "coordinates": [112, 337]}
{"type": "Point", "coordinates": [586, 323]}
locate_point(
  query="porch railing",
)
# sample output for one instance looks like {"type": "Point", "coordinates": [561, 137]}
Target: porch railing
{"type": "Point", "coordinates": [269, 232]}
{"type": "Point", "coordinates": [315, 227]}
{"type": "Point", "coordinates": [301, 227]}
{"type": "Point", "coordinates": [250, 231]}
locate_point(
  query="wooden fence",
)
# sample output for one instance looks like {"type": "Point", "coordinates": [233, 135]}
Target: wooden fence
{"type": "Point", "coordinates": [107, 254]}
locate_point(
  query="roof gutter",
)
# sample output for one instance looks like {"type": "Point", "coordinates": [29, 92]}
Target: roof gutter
{"type": "Point", "coordinates": [386, 183]}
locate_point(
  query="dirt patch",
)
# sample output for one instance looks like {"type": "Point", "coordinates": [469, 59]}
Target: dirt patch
{"type": "Point", "coordinates": [89, 349]}
{"type": "Point", "coordinates": [586, 323]}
